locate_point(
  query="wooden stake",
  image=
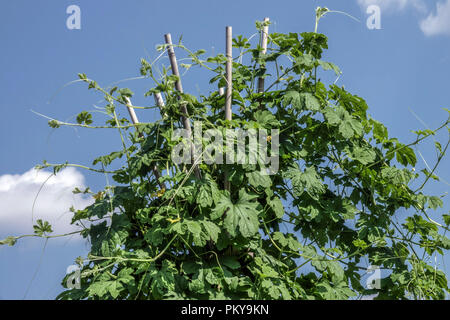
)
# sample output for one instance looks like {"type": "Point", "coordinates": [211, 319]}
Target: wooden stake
{"type": "Point", "coordinates": [179, 87]}
{"type": "Point", "coordinates": [263, 43]}
{"type": "Point", "coordinates": [135, 120]}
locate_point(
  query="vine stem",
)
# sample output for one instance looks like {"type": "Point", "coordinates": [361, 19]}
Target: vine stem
{"type": "Point", "coordinates": [159, 255]}
{"type": "Point", "coordinates": [441, 155]}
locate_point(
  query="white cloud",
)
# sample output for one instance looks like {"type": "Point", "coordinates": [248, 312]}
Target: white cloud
{"type": "Point", "coordinates": [439, 23]}
{"type": "Point", "coordinates": [18, 192]}
{"type": "Point", "coordinates": [394, 5]}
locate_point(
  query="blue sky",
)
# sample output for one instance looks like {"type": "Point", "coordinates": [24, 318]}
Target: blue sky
{"type": "Point", "coordinates": [401, 69]}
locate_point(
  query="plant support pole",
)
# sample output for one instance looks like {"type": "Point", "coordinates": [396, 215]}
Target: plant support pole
{"type": "Point", "coordinates": [179, 87]}
{"type": "Point", "coordinates": [229, 73]}
{"type": "Point", "coordinates": [135, 120]}
{"type": "Point", "coordinates": [133, 115]}
{"type": "Point", "coordinates": [263, 42]}
{"type": "Point", "coordinates": [229, 78]}
{"type": "Point", "coordinates": [160, 103]}
{"type": "Point", "coordinates": [221, 93]}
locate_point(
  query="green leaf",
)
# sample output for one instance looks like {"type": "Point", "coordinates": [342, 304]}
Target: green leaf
{"type": "Point", "coordinates": [359, 243]}
{"type": "Point", "coordinates": [125, 276]}
{"type": "Point", "coordinates": [211, 230]}
{"type": "Point", "coordinates": [84, 118]}
{"type": "Point", "coordinates": [305, 61]}
{"type": "Point", "coordinates": [335, 116]}
{"type": "Point", "coordinates": [438, 146]}
{"type": "Point", "coordinates": [106, 160]}
{"type": "Point", "coordinates": [114, 288]}
{"type": "Point", "coordinates": [293, 98]}
{"type": "Point", "coordinates": [242, 216]}
{"type": "Point", "coordinates": [54, 124]}
{"type": "Point", "coordinates": [266, 119]}
{"type": "Point", "coordinates": [310, 102]}
{"type": "Point", "coordinates": [195, 229]}
{"type": "Point", "coordinates": [42, 227]}
{"type": "Point", "coordinates": [364, 155]}
{"type": "Point", "coordinates": [301, 100]}
{"type": "Point", "coordinates": [330, 66]}
{"type": "Point", "coordinates": [277, 207]}
{"type": "Point", "coordinates": [307, 181]}
{"type": "Point", "coordinates": [446, 219]}
{"type": "Point", "coordinates": [350, 127]}
{"type": "Point", "coordinates": [419, 225]}
{"type": "Point", "coordinates": [380, 132]}
{"type": "Point", "coordinates": [280, 238]}
{"type": "Point", "coordinates": [164, 280]}
{"type": "Point", "coordinates": [435, 202]}
{"type": "Point", "coordinates": [336, 270]}
{"type": "Point", "coordinates": [429, 174]}
{"type": "Point", "coordinates": [99, 288]}
{"type": "Point", "coordinates": [397, 176]}
{"type": "Point", "coordinates": [204, 198]}
{"type": "Point", "coordinates": [10, 241]}
{"type": "Point", "coordinates": [155, 235]}
{"type": "Point", "coordinates": [230, 262]}
{"type": "Point", "coordinates": [256, 179]}
{"type": "Point", "coordinates": [125, 92]}
{"type": "Point", "coordinates": [405, 155]}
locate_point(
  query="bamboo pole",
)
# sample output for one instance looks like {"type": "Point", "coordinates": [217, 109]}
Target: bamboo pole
{"type": "Point", "coordinates": [160, 103]}
{"type": "Point", "coordinates": [229, 88]}
{"type": "Point", "coordinates": [135, 120]}
{"type": "Point", "coordinates": [133, 115]}
{"type": "Point", "coordinates": [173, 61]}
{"type": "Point", "coordinates": [159, 100]}
{"type": "Point", "coordinates": [229, 73]}
{"type": "Point", "coordinates": [263, 43]}
{"type": "Point", "coordinates": [221, 93]}
{"type": "Point", "coordinates": [179, 87]}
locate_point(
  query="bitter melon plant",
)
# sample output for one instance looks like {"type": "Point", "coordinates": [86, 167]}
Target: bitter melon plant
{"type": "Point", "coordinates": [307, 230]}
